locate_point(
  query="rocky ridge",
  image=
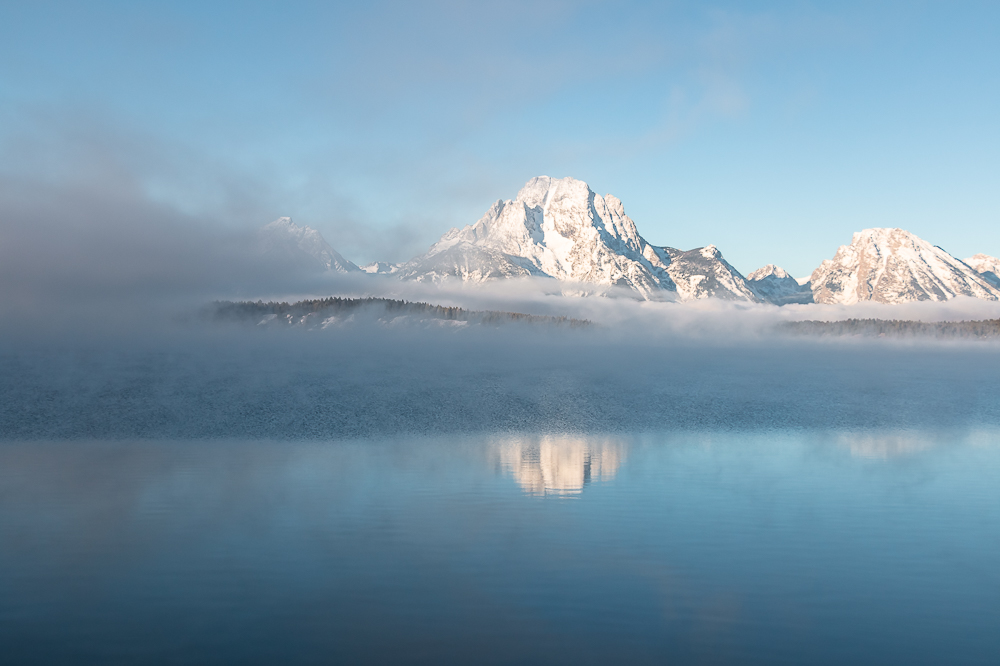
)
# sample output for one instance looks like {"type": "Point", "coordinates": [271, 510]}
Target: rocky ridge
{"type": "Point", "coordinates": [895, 266]}
{"type": "Point", "coordinates": [561, 229]}
{"type": "Point", "coordinates": [774, 284]}
{"type": "Point", "coordinates": [988, 267]}
{"type": "Point", "coordinates": [285, 241]}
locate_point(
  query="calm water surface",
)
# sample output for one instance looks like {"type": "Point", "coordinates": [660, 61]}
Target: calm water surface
{"type": "Point", "coordinates": [797, 547]}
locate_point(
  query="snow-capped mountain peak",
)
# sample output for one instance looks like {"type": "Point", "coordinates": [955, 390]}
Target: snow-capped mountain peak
{"type": "Point", "coordinates": [775, 285]}
{"type": "Point", "coordinates": [380, 268]}
{"type": "Point", "coordinates": [986, 266]}
{"type": "Point", "coordinates": [768, 271]}
{"type": "Point", "coordinates": [283, 240]}
{"type": "Point", "coordinates": [895, 266]}
{"type": "Point", "coordinates": [560, 228]}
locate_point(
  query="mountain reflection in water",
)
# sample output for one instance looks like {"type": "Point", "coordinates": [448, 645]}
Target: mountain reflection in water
{"type": "Point", "coordinates": [778, 547]}
{"type": "Point", "coordinates": [551, 465]}
{"type": "Point", "coordinates": [885, 445]}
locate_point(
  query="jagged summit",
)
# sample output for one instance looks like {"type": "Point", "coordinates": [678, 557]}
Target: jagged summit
{"type": "Point", "coordinates": [986, 266]}
{"type": "Point", "coordinates": [560, 228]}
{"type": "Point", "coordinates": [285, 241]}
{"type": "Point", "coordinates": [775, 285]}
{"type": "Point", "coordinates": [380, 268]}
{"type": "Point", "coordinates": [895, 266]}
{"type": "Point", "coordinates": [769, 271]}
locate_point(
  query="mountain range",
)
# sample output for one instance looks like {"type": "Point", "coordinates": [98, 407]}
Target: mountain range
{"type": "Point", "coordinates": [559, 228]}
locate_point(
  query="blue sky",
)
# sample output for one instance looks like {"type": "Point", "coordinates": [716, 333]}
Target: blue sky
{"type": "Point", "coordinates": [773, 130]}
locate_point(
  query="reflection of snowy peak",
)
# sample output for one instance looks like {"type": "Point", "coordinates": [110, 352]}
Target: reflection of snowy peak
{"type": "Point", "coordinates": [559, 465]}
{"type": "Point", "coordinates": [285, 241]}
{"type": "Point", "coordinates": [986, 266]}
{"type": "Point", "coordinates": [774, 285]}
{"type": "Point", "coordinates": [894, 266]}
{"type": "Point", "coordinates": [560, 228]}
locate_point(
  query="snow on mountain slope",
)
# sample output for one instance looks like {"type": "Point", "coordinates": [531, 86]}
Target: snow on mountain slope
{"type": "Point", "coordinates": [465, 261]}
{"type": "Point", "coordinates": [986, 266]}
{"type": "Point", "coordinates": [560, 228]}
{"type": "Point", "coordinates": [703, 273]}
{"type": "Point", "coordinates": [380, 268]}
{"type": "Point", "coordinates": [774, 284]}
{"type": "Point", "coordinates": [895, 266]}
{"type": "Point", "coordinates": [285, 241]}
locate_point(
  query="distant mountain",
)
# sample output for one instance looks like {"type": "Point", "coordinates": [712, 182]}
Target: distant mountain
{"type": "Point", "coordinates": [560, 228]}
{"type": "Point", "coordinates": [773, 284]}
{"type": "Point", "coordinates": [703, 273]}
{"type": "Point", "coordinates": [895, 266]}
{"type": "Point", "coordinates": [986, 266]}
{"type": "Point", "coordinates": [286, 242]}
{"type": "Point", "coordinates": [380, 268]}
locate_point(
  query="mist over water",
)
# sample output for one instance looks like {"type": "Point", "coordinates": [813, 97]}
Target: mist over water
{"type": "Point", "coordinates": [667, 482]}
{"type": "Point", "coordinates": [672, 482]}
{"type": "Point", "coordinates": [373, 380]}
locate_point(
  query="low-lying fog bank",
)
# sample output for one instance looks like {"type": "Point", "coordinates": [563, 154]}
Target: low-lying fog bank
{"type": "Point", "coordinates": [157, 368]}
{"type": "Point", "coordinates": [137, 311]}
{"type": "Point", "coordinates": [323, 313]}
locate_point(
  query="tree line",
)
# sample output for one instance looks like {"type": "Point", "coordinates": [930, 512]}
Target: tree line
{"type": "Point", "coordinates": [255, 311]}
{"type": "Point", "coordinates": [897, 328]}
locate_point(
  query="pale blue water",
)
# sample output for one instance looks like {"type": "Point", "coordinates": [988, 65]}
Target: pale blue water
{"type": "Point", "coordinates": [818, 546]}
{"type": "Point", "coordinates": [372, 497]}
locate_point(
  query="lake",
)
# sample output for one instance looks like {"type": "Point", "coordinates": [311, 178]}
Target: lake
{"type": "Point", "coordinates": [755, 546]}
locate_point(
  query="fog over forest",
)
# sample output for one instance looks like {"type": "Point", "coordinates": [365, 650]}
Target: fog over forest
{"type": "Point", "coordinates": [103, 288]}
{"type": "Point", "coordinates": [198, 380]}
